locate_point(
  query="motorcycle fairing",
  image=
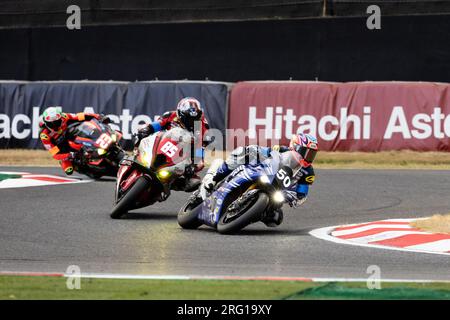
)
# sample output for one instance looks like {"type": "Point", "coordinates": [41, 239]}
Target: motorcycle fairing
{"type": "Point", "coordinates": [212, 207]}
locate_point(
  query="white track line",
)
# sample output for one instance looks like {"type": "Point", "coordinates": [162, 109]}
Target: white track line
{"type": "Point", "coordinates": [439, 245]}
{"type": "Point", "coordinates": [196, 277]}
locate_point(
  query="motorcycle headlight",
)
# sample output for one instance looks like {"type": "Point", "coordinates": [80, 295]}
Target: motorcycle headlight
{"type": "Point", "coordinates": [101, 151]}
{"type": "Point", "coordinates": [278, 197]}
{"type": "Point", "coordinates": [264, 179]}
{"type": "Point", "coordinates": [162, 174]}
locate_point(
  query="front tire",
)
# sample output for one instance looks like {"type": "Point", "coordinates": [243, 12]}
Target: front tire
{"type": "Point", "coordinates": [129, 199]}
{"type": "Point", "coordinates": [188, 215]}
{"type": "Point", "coordinates": [245, 218]}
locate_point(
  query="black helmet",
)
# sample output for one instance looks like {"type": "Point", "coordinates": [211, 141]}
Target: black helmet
{"type": "Point", "coordinates": [189, 110]}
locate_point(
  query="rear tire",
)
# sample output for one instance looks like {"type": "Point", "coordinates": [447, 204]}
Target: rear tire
{"type": "Point", "coordinates": [245, 218]}
{"type": "Point", "coordinates": [129, 199]}
{"type": "Point", "coordinates": [188, 216]}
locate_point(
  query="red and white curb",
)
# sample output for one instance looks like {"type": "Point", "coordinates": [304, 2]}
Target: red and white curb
{"type": "Point", "coordinates": [35, 180]}
{"type": "Point", "coordinates": [392, 234]}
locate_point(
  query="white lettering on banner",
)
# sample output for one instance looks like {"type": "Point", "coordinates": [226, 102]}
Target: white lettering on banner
{"type": "Point", "coordinates": [328, 136]}
{"type": "Point", "coordinates": [345, 120]}
{"type": "Point", "coordinates": [266, 122]}
{"type": "Point", "coordinates": [437, 116]}
{"type": "Point", "coordinates": [366, 121]}
{"type": "Point", "coordinates": [289, 119]}
{"type": "Point", "coordinates": [15, 126]}
{"type": "Point", "coordinates": [125, 118]}
{"type": "Point", "coordinates": [5, 127]}
{"type": "Point", "coordinates": [447, 126]}
{"type": "Point", "coordinates": [278, 122]}
{"type": "Point", "coordinates": [139, 121]}
{"type": "Point", "coordinates": [397, 115]}
{"type": "Point", "coordinates": [346, 126]}
{"type": "Point", "coordinates": [422, 131]}
{"type": "Point", "coordinates": [308, 124]}
{"type": "Point", "coordinates": [421, 123]}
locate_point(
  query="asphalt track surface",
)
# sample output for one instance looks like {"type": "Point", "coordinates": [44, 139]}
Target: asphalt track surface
{"type": "Point", "coordinates": [46, 229]}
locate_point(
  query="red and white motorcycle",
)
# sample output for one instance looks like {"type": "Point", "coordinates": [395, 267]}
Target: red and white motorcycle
{"type": "Point", "coordinates": [147, 177]}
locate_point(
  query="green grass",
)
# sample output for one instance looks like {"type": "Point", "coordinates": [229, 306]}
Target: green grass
{"type": "Point", "coordinates": [24, 287]}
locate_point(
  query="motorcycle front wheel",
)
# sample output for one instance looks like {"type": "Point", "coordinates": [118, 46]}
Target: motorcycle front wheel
{"type": "Point", "coordinates": [188, 215]}
{"type": "Point", "coordinates": [129, 199]}
{"type": "Point", "coordinates": [231, 222]}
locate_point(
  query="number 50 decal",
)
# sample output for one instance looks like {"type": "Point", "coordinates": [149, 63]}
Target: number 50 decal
{"type": "Point", "coordinates": [169, 149]}
{"type": "Point", "coordinates": [284, 177]}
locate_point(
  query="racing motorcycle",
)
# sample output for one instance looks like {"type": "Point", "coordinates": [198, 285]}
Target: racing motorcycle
{"type": "Point", "coordinates": [246, 196]}
{"type": "Point", "coordinates": [156, 167]}
{"type": "Point", "coordinates": [98, 152]}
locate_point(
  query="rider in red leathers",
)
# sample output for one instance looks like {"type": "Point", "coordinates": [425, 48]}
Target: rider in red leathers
{"type": "Point", "coordinates": [52, 134]}
{"type": "Point", "coordinates": [188, 115]}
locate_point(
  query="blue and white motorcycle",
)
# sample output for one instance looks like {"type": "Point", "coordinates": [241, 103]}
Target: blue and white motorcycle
{"type": "Point", "coordinates": [244, 197]}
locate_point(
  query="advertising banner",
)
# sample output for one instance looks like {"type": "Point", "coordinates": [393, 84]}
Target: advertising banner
{"type": "Point", "coordinates": [128, 104]}
{"type": "Point", "coordinates": [360, 116]}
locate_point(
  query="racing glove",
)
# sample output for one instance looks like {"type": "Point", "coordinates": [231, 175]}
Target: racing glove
{"type": "Point", "coordinates": [143, 132]}
{"type": "Point", "coordinates": [207, 185]}
{"type": "Point", "coordinates": [293, 199]}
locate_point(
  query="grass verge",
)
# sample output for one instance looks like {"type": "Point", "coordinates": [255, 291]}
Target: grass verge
{"type": "Point", "coordinates": [324, 160]}
{"type": "Point", "coordinates": [439, 223]}
{"type": "Point", "coordinates": [24, 287]}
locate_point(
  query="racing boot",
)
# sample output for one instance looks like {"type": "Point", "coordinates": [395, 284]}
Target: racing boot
{"type": "Point", "coordinates": [274, 218]}
{"type": "Point", "coordinates": [67, 166]}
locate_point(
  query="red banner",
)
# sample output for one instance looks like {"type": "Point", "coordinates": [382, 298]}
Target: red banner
{"type": "Point", "coordinates": [358, 116]}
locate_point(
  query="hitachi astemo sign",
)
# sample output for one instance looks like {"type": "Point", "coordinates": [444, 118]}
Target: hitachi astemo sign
{"type": "Point", "coordinates": [282, 122]}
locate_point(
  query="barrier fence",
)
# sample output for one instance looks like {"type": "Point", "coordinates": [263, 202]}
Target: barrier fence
{"type": "Point", "coordinates": [129, 104]}
{"type": "Point", "coordinates": [355, 116]}
{"type": "Point", "coordinates": [359, 116]}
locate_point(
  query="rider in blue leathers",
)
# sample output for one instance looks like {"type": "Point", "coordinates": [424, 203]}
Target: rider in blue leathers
{"type": "Point", "coordinates": [299, 156]}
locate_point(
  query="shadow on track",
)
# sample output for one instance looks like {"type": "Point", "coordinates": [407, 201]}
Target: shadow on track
{"type": "Point", "coordinates": [149, 216]}
{"type": "Point", "coordinates": [258, 232]}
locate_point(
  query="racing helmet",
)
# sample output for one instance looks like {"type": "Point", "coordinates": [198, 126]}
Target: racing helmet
{"type": "Point", "coordinates": [305, 145]}
{"type": "Point", "coordinates": [189, 110]}
{"type": "Point", "coordinates": [52, 117]}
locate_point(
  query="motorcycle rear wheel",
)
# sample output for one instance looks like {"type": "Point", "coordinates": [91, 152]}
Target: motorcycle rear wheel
{"type": "Point", "coordinates": [129, 199]}
{"type": "Point", "coordinates": [245, 218]}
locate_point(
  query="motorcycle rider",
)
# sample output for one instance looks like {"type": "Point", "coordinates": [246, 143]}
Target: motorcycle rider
{"type": "Point", "coordinates": [299, 155]}
{"type": "Point", "coordinates": [52, 134]}
{"type": "Point", "coordinates": [188, 112]}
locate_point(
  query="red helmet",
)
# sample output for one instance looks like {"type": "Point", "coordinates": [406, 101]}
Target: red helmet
{"type": "Point", "coordinates": [189, 110]}
{"type": "Point", "coordinates": [305, 145]}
